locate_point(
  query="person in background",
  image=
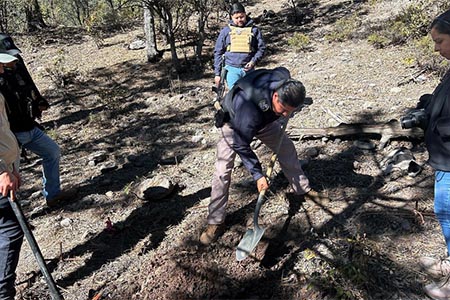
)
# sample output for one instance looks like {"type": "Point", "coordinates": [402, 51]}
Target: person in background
{"type": "Point", "coordinates": [24, 105]}
{"type": "Point", "coordinates": [437, 139]}
{"type": "Point", "coordinates": [11, 235]}
{"type": "Point", "coordinates": [240, 44]}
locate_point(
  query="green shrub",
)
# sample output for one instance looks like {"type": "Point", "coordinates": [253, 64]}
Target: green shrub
{"type": "Point", "coordinates": [299, 42]}
{"type": "Point", "coordinates": [413, 21]}
{"type": "Point", "coordinates": [344, 28]}
{"type": "Point", "coordinates": [378, 41]}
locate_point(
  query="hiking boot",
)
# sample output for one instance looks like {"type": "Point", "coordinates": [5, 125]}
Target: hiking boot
{"type": "Point", "coordinates": [63, 196]}
{"type": "Point", "coordinates": [435, 267]}
{"type": "Point", "coordinates": [211, 233]}
{"type": "Point", "coordinates": [438, 290]}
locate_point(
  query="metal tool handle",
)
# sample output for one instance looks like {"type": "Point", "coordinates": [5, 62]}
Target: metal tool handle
{"type": "Point", "coordinates": [35, 248]}
{"type": "Point", "coordinates": [261, 198]}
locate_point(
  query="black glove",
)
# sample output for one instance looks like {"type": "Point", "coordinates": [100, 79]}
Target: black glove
{"type": "Point", "coordinates": [424, 100]}
{"type": "Point", "coordinates": [221, 118]}
{"type": "Point", "coordinates": [218, 118]}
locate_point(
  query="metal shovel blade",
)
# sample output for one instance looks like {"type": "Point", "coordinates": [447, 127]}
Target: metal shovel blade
{"type": "Point", "coordinates": [248, 243]}
{"type": "Point", "coordinates": [252, 237]}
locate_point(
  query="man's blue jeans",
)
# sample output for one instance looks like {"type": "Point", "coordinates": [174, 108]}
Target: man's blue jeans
{"type": "Point", "coordinates": [11, 238]}
{"type": "Point", "coordinates": [442, 203]}
{"type": "Point", "coordinates": [38, 142]}
{"type": "Point", "coordinates": [234, 74]}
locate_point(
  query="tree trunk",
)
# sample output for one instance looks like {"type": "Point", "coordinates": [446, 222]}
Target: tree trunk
{"type": "Point", "coordinates": [35, 21]}
{"type": "Point", "coordinates": [200, 35]}
{"type": "Point", "coordinates": [150, 36]}
{"type": "Point", "coordinates": [173, 49]}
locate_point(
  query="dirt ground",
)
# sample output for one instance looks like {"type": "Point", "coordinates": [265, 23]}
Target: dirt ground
{"type": "Point", "coordinates": [120, 120]}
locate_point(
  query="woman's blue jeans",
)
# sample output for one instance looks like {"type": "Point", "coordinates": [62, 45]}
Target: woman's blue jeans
{"type": "Point", "coordinates": [38, 142]}
{"type": "Point", "coordinates": [442, 203]}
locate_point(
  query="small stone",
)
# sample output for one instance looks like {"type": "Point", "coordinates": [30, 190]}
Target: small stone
{"type": "Point", "coordinates": [196, 138]}
{"type": "Point", "coordinates": [312, 152]}
{"type": "Point", "coordinates": [396, 90]}
{"type": "Point", "coordinates": [364, 145]}
{"type": "Point", "coordinates": [107, 167]}
{"type": "Point", "coordinates": [66, 222]}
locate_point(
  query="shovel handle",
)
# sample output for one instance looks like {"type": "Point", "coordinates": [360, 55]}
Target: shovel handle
{"type": "Point", "coordinates": [261, 198]}
{"type": "Point", "coordinates": [34, 247]}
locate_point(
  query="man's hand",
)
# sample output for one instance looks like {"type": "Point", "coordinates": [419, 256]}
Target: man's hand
{"type": "Point", "coordinates": [262, 184]}
{"type": "Point", "coordinates": [9, 183]}
{"type": "Point", "coordinates": [250, 65]}
{"type": "Point", "coordinates": [217, 80]}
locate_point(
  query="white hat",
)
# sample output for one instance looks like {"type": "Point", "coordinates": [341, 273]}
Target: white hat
{"type": "Point", "coordinates": [6, 58]}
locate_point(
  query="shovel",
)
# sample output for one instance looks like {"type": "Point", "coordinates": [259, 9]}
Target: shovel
{"type": "Point", "coordinates": [35, 248]}
{"type": "Point", "coordinates": [252, 237]}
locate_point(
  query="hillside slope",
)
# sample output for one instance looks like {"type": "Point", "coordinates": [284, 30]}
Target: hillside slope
{"type": "Point", "coordinates": [120, 120]}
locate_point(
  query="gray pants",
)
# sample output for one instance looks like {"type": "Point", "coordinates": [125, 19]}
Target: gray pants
{"type": "Point", "coordinates": [11, 237]}
{"type": "Point", "coordinates": [270, 136]}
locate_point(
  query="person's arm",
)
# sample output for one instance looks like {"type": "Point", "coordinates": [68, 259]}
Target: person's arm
{"type": "Point", "coordinates": [245, 124]}
{"type": "Point", "coordinates": [261, 46]}
{"type": "Point", "coordinates": [219, 50]}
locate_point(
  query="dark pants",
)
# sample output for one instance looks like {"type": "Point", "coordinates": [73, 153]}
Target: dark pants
{"type": "Point", "coordinates": [11, 237]}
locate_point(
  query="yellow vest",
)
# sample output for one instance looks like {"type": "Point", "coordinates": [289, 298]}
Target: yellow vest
{"type": "Point", "coordinates": [240, 39]}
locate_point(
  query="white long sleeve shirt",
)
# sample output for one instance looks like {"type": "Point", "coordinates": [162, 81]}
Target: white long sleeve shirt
{"type": "Point", "coordinates": [9, 149]}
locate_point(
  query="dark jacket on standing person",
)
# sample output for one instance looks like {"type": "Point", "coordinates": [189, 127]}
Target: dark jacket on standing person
{"type": "Point", "coordinates": [437, 133]}
{"type": "Point", "coordinates": [22, 97]}
{"type": "Point", "coordinates": [238, 59]}
{"type": "Point", "coordinates": [251, 110]}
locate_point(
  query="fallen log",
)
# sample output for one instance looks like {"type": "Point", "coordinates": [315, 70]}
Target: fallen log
{"type": "Point", "coordinates": [384, 132]}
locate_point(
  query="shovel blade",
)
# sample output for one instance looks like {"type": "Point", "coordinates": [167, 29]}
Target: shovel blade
{"type": "Point", "coordinates": [248, 243]}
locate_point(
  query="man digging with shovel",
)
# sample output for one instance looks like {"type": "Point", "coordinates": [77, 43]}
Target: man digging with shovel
{"type": "Point", "coordinates": [252, 109]}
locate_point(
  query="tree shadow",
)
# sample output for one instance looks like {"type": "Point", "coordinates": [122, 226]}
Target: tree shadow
{"type": "Point", "coordinates": [145, 221]}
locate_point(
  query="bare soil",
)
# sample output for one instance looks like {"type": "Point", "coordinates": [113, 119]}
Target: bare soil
{"type": "Point", "coordinates": [145, 121]}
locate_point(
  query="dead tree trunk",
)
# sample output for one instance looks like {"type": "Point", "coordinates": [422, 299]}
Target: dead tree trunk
{"type": "Point", "coordinates": [386, 131]}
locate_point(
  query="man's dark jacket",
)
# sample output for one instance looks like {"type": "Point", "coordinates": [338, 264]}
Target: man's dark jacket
{"type": "Point", "coordinates": [22, 97]}
{"type": "Point", "coordinates": [250, 106]}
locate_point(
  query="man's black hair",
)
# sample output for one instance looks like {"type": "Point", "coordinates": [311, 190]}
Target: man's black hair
{"type": "Point", "coordinates": [237, 8]}
{"type": "Point", "coordinates": [442, 23]}
{"type": "Point", "coordinates": [292, 92]}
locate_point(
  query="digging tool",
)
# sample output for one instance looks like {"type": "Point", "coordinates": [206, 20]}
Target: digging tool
{"type": "Point", "coordinates": [34, 247]}
{"type": "Point", "coordinates": [252, 237]}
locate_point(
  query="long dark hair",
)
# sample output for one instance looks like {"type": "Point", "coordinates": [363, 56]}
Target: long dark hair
{"type": "Point", "coordinates": [442, 23]}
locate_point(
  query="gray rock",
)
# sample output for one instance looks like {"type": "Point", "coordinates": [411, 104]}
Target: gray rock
{"type": "Point", "coordinates": [97, 157]}
{"type": "Point", "coordinates": [107, 167]}
{"type": "Point", "coordinates": [312, 152]}
{"type": "Point", "coordinates": [66, 222]}
{"type": "Point", "coordinates": [364, 145]}
{"type": "Point", "coordinates": [155, 188]}
{"type": "Point", "coordinates": [137, 45]}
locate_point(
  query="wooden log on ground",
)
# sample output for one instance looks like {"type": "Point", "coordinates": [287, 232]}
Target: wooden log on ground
{"type": "Point", "coordinates": [384, 132]}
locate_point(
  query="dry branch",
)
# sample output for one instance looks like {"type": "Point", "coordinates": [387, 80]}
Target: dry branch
{"type": "Point", "coordinates": [386, 131]}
